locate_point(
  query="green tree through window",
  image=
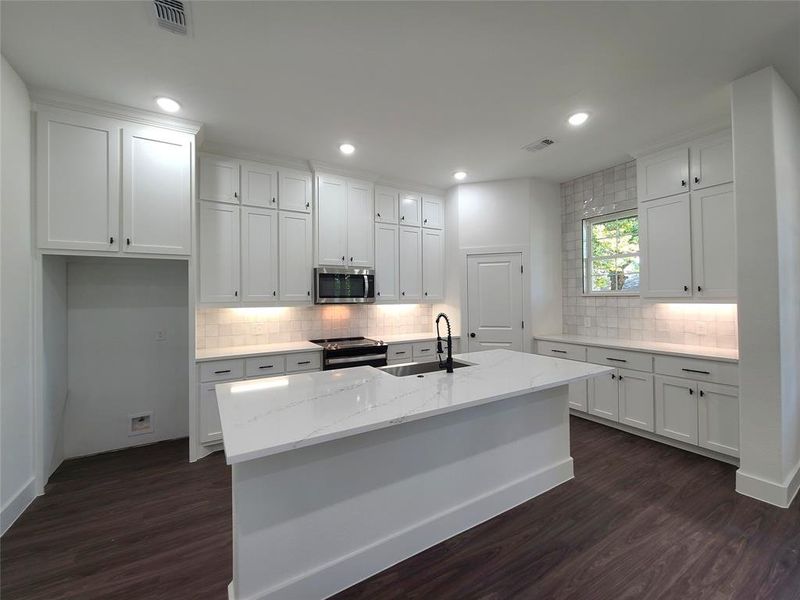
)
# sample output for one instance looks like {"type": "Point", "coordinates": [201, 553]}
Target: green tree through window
{"type": "Point", "coordinates": [611, 253]}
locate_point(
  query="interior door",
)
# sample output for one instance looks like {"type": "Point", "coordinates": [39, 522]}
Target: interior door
{"type": "Point", "coordinates": [494, 301]}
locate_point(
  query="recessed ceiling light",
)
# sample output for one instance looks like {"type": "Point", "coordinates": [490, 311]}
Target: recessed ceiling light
{"type": "Point", "coordinates": [347, 148]}
{"type": "Point", "coordinates": [460, 175]}
{"type": "Point", "coordinates": [578, 119]}
{"type": "Point", "coordinates": [168, 104]}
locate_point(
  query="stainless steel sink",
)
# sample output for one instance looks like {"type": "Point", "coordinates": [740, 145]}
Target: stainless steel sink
{"type": "Point", "coordinates": [420, 369]}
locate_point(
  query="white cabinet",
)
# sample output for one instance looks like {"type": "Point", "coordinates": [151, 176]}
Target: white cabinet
{"type": "Point", "coordinates": [666, 256]}
{"type": "Point", "coordinates": [604, 396]}
{"type": "Point", "coordinates": [259, 185]}
{"type": "Point", "coordinates": [711, 160]}
{"type": "Point", "coordinates": [578, 395]}
{"type": "Point", "coordinates": [676, 408]}
{"type": "Point", "coordinates": [432, 212]}
{"type": "Point", "coordinates": [219, 179]}
{"type": "Point", "coordinates": [219, 252]}
{"type": "Point", "coordinates": [410, 263]}
{"type": "Point", "coordinates": [432, 265]}
{"type": "Point", "coordinates": [156, 191]}
{"type": "Point", "coordinates": [714, 242]}
{"type": "Point", "coordinates": [331, 220]}
{"type": "Point", "coordinates": [410, 209]}
{"type": "Point", "coordinates": [210, 426]}
{"type": "Point", "coordinates": [360, 224]}
{"type": "Point", "coordinates": [294, 189]}
{"type": "Point", "coordinates": [296, 258]}
{"type": "Point", "coordinates": [387, 283]}
{"type": "Point", "coordinates": [718, 417]}
{"type": "Point", "coordinates": [259, 255]}
{"type": "Point", "coordinates": [385, 205]}
{"type": "Point", "coordinates": [636, 399]}
{"type": "Point", "coordinates": [663, 174]}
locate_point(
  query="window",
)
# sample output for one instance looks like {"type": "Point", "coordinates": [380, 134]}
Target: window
{"type": "Point", "coordinates": [611, 254]}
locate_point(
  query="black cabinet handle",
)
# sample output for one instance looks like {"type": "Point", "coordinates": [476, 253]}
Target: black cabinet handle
{"type": "Point", "coordinates": [378, 293]}
{"type": "Point", "coordinates": [683, 183]}
{"type": "Point", "coordinates": [273, 200]}
{"type": "Point", "coordinates": [235, 194]}
{"type": "Point", "coordinates": [620, 377]}
{"type": "Point", "coordinates": [426, 293]}
{"type": "Point", "coordinates": [343, 259]}
{"type": "Point", "coordinates": [402, 293]}
{"type": "Point", "coordinates": [425, 221]}
{"type": "Point", "coordinates": [308, 293]}
{"type": "Point", "coordinates": [307, 204]}
{"type": "Point", "coordinates": [274, 293]}
{"type": "Point", "coordinates": [266, 367]}
{"type": "Point", "coordinates": [128, 241]}
{"type": "Point", "coordinates": [424, 349]}
{"type": "Point", "coordinates": [616, 359]}
{"type": "Point", "coordinates": [613, 376]}
{"type": "Point", "coordinates": [472, 335]}
{"type": "Point", "coordinates": [111, 240]}
{"type": "Point", "coordinates": [235, 293]}
{"type": "Point", "coordinates": [351, 259]}
{"type": "Point", "coordinates": [304, 362]}
{"type": "Point", "coordinates": [702, 393]}
{"type": "Point", "coordinates": [379, 215]}
{"type": "Point", "coordinates": [559, 351]}
{"type": "Point", "coordinates": [686, 288]}
{"type": "Point", "coordinates": [402, 218]}
{"type": "Point", "coordinates": [691, 391]}
{"type": "Point", "coordinates": [401, 352]}
{"type": "Point", "coordinates": [697, 180]}
{"type": "Point", "coordinates": [699, 288]}
{"type": "Point", "coordinates": [222, 371]}
{"type": "Point", "coordinates": [696, 371]}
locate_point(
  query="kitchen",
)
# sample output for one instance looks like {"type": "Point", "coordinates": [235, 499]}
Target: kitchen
{"type": "Point", "coordinates": [233, 279]}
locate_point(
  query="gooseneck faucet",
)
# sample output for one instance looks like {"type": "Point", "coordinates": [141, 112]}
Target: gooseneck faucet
{"type": "Point", "coordinates": [448, 363]}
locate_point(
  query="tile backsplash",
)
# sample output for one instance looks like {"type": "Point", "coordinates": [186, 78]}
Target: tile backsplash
{"type": "Point", "coordinates": [225, 327]}
{"type": "Point", "coordinates": [631, 318]}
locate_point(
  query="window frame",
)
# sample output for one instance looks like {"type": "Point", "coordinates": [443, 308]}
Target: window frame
{"type": "Point", "coordinates": [587, 258]}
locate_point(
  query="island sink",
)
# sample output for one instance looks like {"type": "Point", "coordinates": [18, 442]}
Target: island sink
{"type": "Point", "coordinates": [420, 368]}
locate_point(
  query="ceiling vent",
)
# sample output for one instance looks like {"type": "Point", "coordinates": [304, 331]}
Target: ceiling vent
{"type": "Point", "coordinates": [540, 145]}
{"type": "Point", "coordinates": [171, 15]}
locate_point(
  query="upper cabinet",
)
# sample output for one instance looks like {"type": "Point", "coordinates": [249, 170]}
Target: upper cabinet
{"type": "Point", "coordinates": [259, 185]}
{"type": "Point", "coordinates": [432, 212]}
{"type": "Point", "coordinates": [219, 179]}
{"type": "Point", "coordinates": [665, 246]}
{"type": "Point", "coordinates": [714, 242]}
{"type": "Point", "coordinates": [218, 238]}
{"type": "Point", "coordinates": [711, 160]}
{"type": "Point", "coordinates": [662, 174]}
{"type": "Point", "coordinates": [410, 263]}
{"type": "Point", "coordinates": [386, 205]}
{"type": "Point", "coordinates": [345, 224]}
{"type": "Point", "coordinates": [294, 190]}
{"type": "Point", "coordinates": [360, 224]}
{"type": "Point", "coordinates": [410, 209]}
{"type": "Point", "coordinates": [432, 265]}
{"type": "Point", "coordinates": [294, 235]}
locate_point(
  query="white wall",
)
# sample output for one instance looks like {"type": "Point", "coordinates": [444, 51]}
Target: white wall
{"type": "Point", "coordinates": [115, 365]}
{"type": "Point", "coordinates": [545, 216]}
{"type": "Point", "coordinates": [17, 483]}
{"type": "Point", "coordinates": [54, 360]}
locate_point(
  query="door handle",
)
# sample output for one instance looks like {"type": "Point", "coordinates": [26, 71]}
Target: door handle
{"type": "Point", "coordinates": [472, 335]}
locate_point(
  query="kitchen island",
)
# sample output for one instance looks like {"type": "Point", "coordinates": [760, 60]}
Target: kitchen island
{"type": "Point", "coordinates": [340, 474]}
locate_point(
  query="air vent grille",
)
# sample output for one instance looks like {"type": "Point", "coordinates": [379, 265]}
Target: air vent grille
{"type": "Point", "coordinates": [540, 145]}
{"type": "Point", "coordinates": [171, 15]}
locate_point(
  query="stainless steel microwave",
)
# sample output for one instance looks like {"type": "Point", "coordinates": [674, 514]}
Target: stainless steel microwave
{"type": "Point", "coordinates": [342, 285]}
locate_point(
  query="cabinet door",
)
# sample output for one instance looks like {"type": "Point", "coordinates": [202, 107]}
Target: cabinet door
{"type": "Point", "coordinates": [386, 263]}
{"type": "Point", "coordinates": [604, 396]}
{"type": "Point", "coordinates": [410, 209]}
{"type": "Point", "coordinates": [410, 255]}
{"type": "Point", "coordinates": [712, 160]}
{"type": "Point", "coordinates": [636, 399]}
{"type": "Point", "coordinates": [259, 255]}
{"type": "Point", "coordinates": [77, 182]}
{"type": "Point", "coordinates": [663, 174]}
{"type": "Point", "coordinates": [331, 221]}
{"type": "Point", "coordinates": [432, 212]}
{"type": "Point", "coordinates": [665, 245]}
{"type": "Point", "coordinates": [676, 408]}
{"type": "Point", "coordinates": [219, 252]}
{"type": "Point", "coordinates": [296, 259]}
{"type": "Point", "coordinates": [219, 179]}
{"type": "Point", "coordinates": [360, 224]}
{"type": "Point", "coordinates": [432, 265]}
{"type": "Point", "coordinates": [210, 426]}
{"type": "Point", "coordinates": [294, 190]}
{"type": "Point", "coordinates": [578, 394]}
{"type": "Point", "coordinates": [714, 242]}
{"type": "Point", "coordinates": [718, 417]}
{"type": "Point", "coordinates": [385, 205]}
{"type": "Point", "coordinates": [156, 191]}
{"type": "Point", "coordinates": [259, 185]}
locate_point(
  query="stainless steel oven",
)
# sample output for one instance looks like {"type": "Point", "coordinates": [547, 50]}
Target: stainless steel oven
{"type": "Point", "coordinates": [342, 285]}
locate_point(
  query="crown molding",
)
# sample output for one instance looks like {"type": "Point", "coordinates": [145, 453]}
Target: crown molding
{"type": "Point", "coordinates": [42, 97]}
{"type": "Point", "coordinates": [685, 136]}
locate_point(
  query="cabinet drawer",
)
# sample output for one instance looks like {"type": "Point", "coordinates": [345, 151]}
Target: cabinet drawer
{"type": "Point", "coordinates": [303, 361]}
{"type": "Point", "coordinates": [698, 369]}
{"type": "Point", "coordinates": [620, 358]}
{"type": "Point", "coordinates": [569, 351]}
{"type": "Point", "coordinates": [424, 351]}
{"type": "Point", "coordinates": [221, 370]}
{"type": "Point", "coordinates": [401, 352]}
{"type": "Point", "coordinates": [262, 366]}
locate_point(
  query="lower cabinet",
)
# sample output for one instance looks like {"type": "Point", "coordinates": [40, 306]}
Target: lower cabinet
{"type": "Point", "coordinates": [718, 417]}
{"type": "Point", "coordinates": [604, 396]}
{"type": "Point", "coordinates": [579, 395]}
{"type": "Point", "coordinates": [636, 399]}
{"type": "Point", "coordinates": [676, 408]}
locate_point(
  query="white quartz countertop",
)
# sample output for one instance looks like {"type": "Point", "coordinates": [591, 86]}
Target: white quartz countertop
{"type": "Point", "coordinates": [414, 337]}
{"type": "Point", "coordinates": [254, 350]}
{"type": "Point", "coordinates": [721, 354]}
{"type": "Point", "coordinates": [262, 417]}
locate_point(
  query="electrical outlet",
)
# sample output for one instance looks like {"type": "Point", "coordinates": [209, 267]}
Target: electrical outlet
{"type": "Point", "coordinates": [140, 423]}
{"type": "Point", "coordinates": [161, 335]}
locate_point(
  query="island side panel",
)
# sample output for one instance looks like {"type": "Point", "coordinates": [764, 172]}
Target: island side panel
{"type": "Point", "coordinates": [313, 521]}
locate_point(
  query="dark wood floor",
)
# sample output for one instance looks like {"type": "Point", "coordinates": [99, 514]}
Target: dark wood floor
{"type": "Point", "coordinates": [640, 520]}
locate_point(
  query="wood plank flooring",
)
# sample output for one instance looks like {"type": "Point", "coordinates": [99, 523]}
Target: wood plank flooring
{"type": "Point", "coordinates": [640, 520]}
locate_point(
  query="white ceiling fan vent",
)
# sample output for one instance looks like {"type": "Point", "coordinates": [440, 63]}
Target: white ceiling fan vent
{"type": "Point", "coordinates": [171, 15]}
{"type": "Point", "coordinates": [540, 145]}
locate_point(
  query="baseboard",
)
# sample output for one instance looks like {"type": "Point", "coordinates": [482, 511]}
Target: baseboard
{"type": "Point", "coordinates": [777, 494]}
{"type": "Point", "coordinates": [381, 554]}
{"type": "Point", "coordinates": [17, 505]}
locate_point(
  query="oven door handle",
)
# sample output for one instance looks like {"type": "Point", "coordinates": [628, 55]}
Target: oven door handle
{"type": "Point", "coordinates": [352, 359]}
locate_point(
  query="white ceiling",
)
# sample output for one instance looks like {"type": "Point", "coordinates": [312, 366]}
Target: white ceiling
{"type": "Point", "coordinates": [421, 89]}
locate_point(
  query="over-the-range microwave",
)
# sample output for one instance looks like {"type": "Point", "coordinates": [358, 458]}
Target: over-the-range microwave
{"type": "Point", "coordinates": [343, 285]}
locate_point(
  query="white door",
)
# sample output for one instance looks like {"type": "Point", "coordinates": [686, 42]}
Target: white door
{"type": "Point", "coordinates": [294, 190]}
{"type": "Point", "coordinates": [432, 212]}
{"type": "Point", "coordinates": [360, 224]}
{"type": "Point", "coordinates": [712, 160]}
{"type": "Point", "coordinates": [219, 252]}
{"type": "Point", "coordinates": [579, 395]}
{"type": "Point", "coordinates": [410, 263]}
{"type": "Point", "coordinates": [219, 179]}
{"type": "Point", "coordinates": [296, 258]}
{"type": "Point", "coordinates": [385, 205]}
{"type": "Point", "coordinates": [259, 185]}
{"type": "Point", "coordinates": [676, 408]}
{"type": "Point", "coordinates": [666, 247]}
{"type": "Point", "coordinates": [331, 221]}
{"type": "Point", "coordinates": [432, 265]}
{"type": "Point", "coordinates": [77, 181]}
{"type": "Point", "coordinates": [636, 404]}
{"type": "Point", "coordinates": [156, 191]}
{"type": "Point", "coordinates": [663, 174]}
{"type": "Point", "coordinates": [259, 255]}
{"type": "Point", "coordinates": [604, 396]}
{"type": "Point", "coordinates": [494, 301]}
{"type": "Point", "coordinates": [386, 263]}
{"type": "Point", "coordinates": [410, 209]}
{"type": "Point", "coordinates": [210, 426]}
{"type": "Point", "coordinates": [714, 242]}
{"type": "Point", "coordinates": [718, 416]}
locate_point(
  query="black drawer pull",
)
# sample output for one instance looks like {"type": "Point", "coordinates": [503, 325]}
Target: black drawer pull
{"type": "Point", "coordinates": [267, 367]}
{"type": "Point", "coordinates": [696, 371]}
{"type": "Point", "coordinates": [424, 349]}
{"type": "Point", "coordinates": [559, 351]}
{"type": "Point", "coordinates": [304, 362]}
{"type": "Point", "coordinates": [616, 359]}
{"type": "Point", "coordinates": [221, 372]}
{"type": "Point", "coordinates": [399, 353]}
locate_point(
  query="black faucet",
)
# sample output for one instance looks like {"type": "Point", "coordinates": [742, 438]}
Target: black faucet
{"type": "Point", "coordinates": [448, 363]}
